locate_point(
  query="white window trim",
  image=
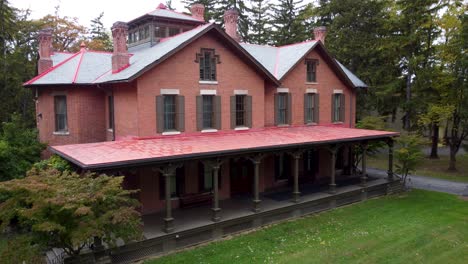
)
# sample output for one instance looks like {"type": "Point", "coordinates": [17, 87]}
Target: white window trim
{"type": "Point", "coordinates": [170, 91]}
{"type": "Point", "coordinates": [240, 128]}
{"type": "Point", "coordinates": [337, 91]}
{"type": "Point", "coordinates": [61, 133]}
{"type": "Point", "coordinates": [312, 91]}
{"type": "Point", "coordinates": [313, 83]}
{"type": "Point", "coordinates": [282, 90]}
{"type": "Point", "coordinates": [170, 133]}
{"type": "Point", "coordinates": [207, 92]}
{"type": "Point", "coordinates": [208, 82]}
{"type": "Point", "coordinates": [209, 130]}
{"type": "Point", "coordinates": [241, 92]}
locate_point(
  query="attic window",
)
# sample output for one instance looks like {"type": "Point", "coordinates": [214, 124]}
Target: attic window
{"type": "Point", "coordinates": [207, 60]}
{"type": "Point", "coordinates": [311, 72]}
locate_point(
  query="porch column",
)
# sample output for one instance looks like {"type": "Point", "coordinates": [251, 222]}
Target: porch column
{"type": "Point", "coordinates": [214, 166]}
{"type": "Point", "coordinates": [296, 194]}
{"type": "Point", "coordinates": [168, 172]}
{"type": "Point", "coordinates": [390, 159]}
{"type": "Point", "coordinates": [332, 151]}
{"type": "Point", "coordinates": [363, 164]}
{"type": "Point", "coordinates": [256, 159]}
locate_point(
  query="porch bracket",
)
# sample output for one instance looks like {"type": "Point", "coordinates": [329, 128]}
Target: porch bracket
{"type": "Point", "coordinates": [215, 165]}
{"type": "Point", "coordinates": [296, 155]}
{"type": "Point", "coordinates": [390, 159]}
{"type": "Point", "coordinates": [169, 171]}
{"type": "Point", "coordinates": [363, 164]}
{"type": "Point", "coordinates": [256, 160]}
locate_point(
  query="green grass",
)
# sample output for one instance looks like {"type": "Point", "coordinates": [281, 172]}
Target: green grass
{"type": "Point", "coordinates": [436, 168]}
{"type": "Point", "coordinates": [417, 227]}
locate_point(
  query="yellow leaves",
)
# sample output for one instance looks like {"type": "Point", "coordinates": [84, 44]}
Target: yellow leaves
{"type": "Point", "coordinates": [83, 211]}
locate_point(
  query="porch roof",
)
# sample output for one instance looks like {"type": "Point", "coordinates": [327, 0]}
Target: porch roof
{"type": "Point", "coordinates": [145, 151]}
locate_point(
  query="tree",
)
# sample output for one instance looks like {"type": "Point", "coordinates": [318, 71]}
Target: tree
{"type": "Point", "coordinates": [169, 5]}
{"type": "Point", "coordinates": [260, 31]}
{"type": "Point", "coordinates": [287, 28]}
{"type": "Point", "coordinates": [99, 38]}
{"type": "Point", "coordinates": [210, 9]}
{"type": "Point", "coordinates": [434, 117]}
{"type": "Point", "coordinates": [19, 149]}
{"type": "Point", "coordinates": [408, 154]}
{"type": "Point", "coordinates": [66, 210]}
{"type": "Point", "coordinates": [243, 25]}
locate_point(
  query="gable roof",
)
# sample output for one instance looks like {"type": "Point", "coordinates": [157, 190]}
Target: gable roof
{"type": "Point", "coordinates": [281, 60]}
{"type": "Point", "coordinates": [162, 12]}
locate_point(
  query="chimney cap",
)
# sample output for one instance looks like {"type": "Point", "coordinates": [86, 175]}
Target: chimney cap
{"type": "Point", "coordinates": [46, 31]}
{"type": "Point", "coordinates": [231, 11]}
{"type": "Point", "coordinates": [320, 28]}
{"type": "Point", "coordinates": [119, 24]}
{"type": "Point", "coordinates": [162, 6]}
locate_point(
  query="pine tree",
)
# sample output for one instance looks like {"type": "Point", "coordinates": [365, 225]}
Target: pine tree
{"type": "Point", "coordinates": [99, 38]}
{"type": "Point", "coordinates": [209, 7]}
{"type": "Point", "coordinates": [287, 27]}
{"type": "Point", "coordinates": [243, 25]}
{"type": "Point", "coordinates": [260, 30]}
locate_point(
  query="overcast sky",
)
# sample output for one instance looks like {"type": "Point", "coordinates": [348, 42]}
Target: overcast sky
{"type": "Point", "coordinates": [85, 10]}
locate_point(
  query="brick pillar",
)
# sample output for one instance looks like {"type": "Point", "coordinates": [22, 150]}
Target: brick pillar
{"type": "Point", "coordinates": [120, 57]}
{"type": "Point", "coordinates": [230, 23]}
{"type": "Point", "coordinates": [45, 50]}
{"type": "Point", "coordinates": [198, 11]}
{"type": "Point", "coordinates": [320, 33]}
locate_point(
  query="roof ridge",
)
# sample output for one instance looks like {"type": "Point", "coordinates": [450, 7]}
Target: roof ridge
{"type": "Point", "coordinates": [50, 69]}
{"type": "Point", "coordinates": [173, 11]}
{"type": "Point", "coordinates": [260, 45]}
{"type": "Point", "coordinates": [180, 34]}
{"type": "Point", "coordinates": [297, 43]}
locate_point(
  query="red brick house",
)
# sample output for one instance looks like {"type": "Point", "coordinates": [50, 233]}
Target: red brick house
{"type": "Point", "coordinates": [189, 114]}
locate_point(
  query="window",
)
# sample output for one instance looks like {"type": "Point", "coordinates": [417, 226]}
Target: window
{"type": "Point", "coordinates": [282, 167]}
{"type": "Point", "coordinates": [159, 32]}
{"type": "Point", "coordinates": [208, 112]}
{"type": "Point", "coordinates": [240, 110]}
{"type": "Point", "coordinates": [111, 111]}
{"type": "Point", "coordinates": [169, 112]}
{"type": "Point", "coordinates": [60, 105]}
{"type": "Point", "coordinates": [173, 31]}
{"type": "Point", "coordinates": [311, 108]}
{"type": "Point", "coordinates": [338, 107]}
{"type": "Point", "coordinates": [311, 72]}
{"type": "Point", "coordinates": [207, 61]}
{"type": "Point", "coordinates": [282, 108]}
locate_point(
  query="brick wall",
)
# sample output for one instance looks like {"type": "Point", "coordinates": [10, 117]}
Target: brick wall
{"type": "Point", "coordinates": [85, 115]}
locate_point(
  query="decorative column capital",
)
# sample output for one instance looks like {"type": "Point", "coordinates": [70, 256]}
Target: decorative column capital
{"type": "Point", "coordinates": [213, 164]}
{"type": "Point", "coordinates": [169, 170]}
{"type": "Point", "coordinates": [256, 158]}
{"type": "Point", "coordinates": [296, 154]}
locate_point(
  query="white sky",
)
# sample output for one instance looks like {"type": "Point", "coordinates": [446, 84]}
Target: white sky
{"type": "Point", "coordinates": [85, 10]}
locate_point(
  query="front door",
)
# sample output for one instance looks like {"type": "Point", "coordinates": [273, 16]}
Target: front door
{"type": "Point", "coordinates": [242, 174]}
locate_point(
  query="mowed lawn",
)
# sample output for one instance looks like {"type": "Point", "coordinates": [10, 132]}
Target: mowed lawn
{"type": "Point", "coordinates": [415, 227]}
{"type": "Point", "coordinates": [436, 168]}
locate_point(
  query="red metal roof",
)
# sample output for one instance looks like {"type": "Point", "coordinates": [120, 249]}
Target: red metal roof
{"type": "Point", "coordinates": [166, 148]}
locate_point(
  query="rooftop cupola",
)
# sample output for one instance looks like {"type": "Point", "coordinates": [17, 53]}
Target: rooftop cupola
{"type": "Point", "coordinates": [320, 33]}
{"type": "Point", "coordinates": [120, 57]}
{"type": "Point", "coordinates": [198, 11]}
{"type": "Point", "coordinates": [231, 17]}
{"type": "Point", "coordinates": [45, 50]}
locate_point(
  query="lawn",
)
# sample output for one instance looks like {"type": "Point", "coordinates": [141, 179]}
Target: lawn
{"type": "Point", "coordinates": [420, 226]}
{"type": "Point", "coordinates": [436, 168]}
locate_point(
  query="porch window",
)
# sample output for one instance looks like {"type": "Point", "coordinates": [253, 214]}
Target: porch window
{"type": "Point", "coordinates": [111, 111]}
{"type": "Point", "coordinates": [311, 108]}
{"type": "Point", "coordinates": [60, 105]}
{"type": "Point", "coordinates": [208, 112]}
{"type": "Point", "coordinates": [159, 32]}
{"type": "Point", "coordinates": [338, 109]}
{"type": "Point", "coordinates": [282, 108]}
{"type": "Point", "coordinates": [173, 31]}
{"type": "Point", "coordinates": [170, 113]}
{"type": "Point", "coordinates": [207, 61]}
{"type": "Point", "coordinates": [205, 175]}
{"type": "Point", "coordinates": [282, 167]}
{"type": "Point", "coordinates": [311, 72]}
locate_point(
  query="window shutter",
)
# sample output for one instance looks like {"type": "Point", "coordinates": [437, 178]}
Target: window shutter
{"type": "Point", "coordinates": [248, 110]}
{"type": "Point", "coordinates": [180, 104]}
{"type": "Point", "coordinates": [342, 108]}
{"type": "Point", "coordinates": [333, 108]}
{"type": "Point", "coordinates": [199, 112]}
{"type": "Point", "coordinates": [276, 109]}
{"type": "Point", "coordinates": [159, 113]}
{"type": "Point", "coordinates": [316, 108]}
{"type": "Point", "coordinates": [217, 112]}
{"type": "Point", "coordinates": [232, 100]}
{"type": "Point", "coordinates": [306, 106]}
{"type": "Point", "coordinates": [289, 108]}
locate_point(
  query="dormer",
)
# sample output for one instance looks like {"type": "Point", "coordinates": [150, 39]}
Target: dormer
{"type": "Point", "coordinates": [161, 23]}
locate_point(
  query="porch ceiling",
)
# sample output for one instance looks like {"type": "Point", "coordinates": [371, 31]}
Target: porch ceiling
{"type": "Point", "coordinates": [163, 149]}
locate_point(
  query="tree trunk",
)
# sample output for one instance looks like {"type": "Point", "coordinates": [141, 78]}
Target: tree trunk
{"type": "Point", "coordinates": [435, 141]}
{"type": "Point", "coordinates": [453, 159]}
{"type": "Point", "coordinates": [408, 100]}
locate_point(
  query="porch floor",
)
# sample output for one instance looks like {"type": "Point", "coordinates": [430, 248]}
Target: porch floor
{"type": "Point", "coordinates": [240, 206]}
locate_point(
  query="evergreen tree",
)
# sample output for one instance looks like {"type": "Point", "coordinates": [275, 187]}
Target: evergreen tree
{"type": "Point", "coordinates": [260, 31]}
{"type": "Point", "coordinates": [287, 27]}
{"type": "Point", "coordinates": [99, 38]}
{"type": "Point", "coordinates": [169, 5]}
{"type": "Point", "coordinates": [243, 25]}
{"type": "Point", "coordinates": [209, 7]}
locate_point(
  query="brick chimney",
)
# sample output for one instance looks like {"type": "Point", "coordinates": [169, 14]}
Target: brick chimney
{"type": "Point", "coordinates": [120, 57]}
{"type": "Point", "coordinates": [230, 23]}
{"type": "Point", "coordinates": [320, 33]}
{"type": "Point", "coordinates": [198, 11]}
{"type": "Point", "coordinates": [45, 50]}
